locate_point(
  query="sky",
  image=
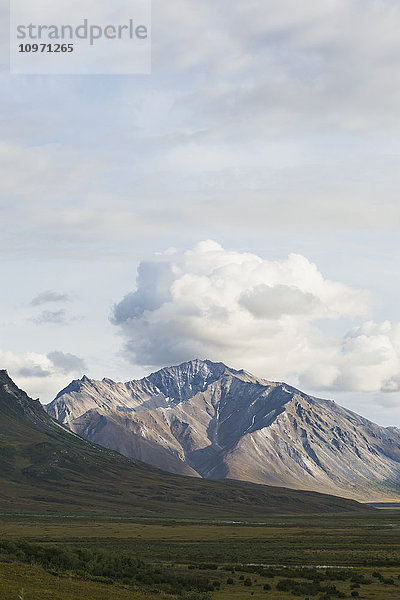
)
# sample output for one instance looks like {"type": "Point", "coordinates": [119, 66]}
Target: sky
{"type": "Point", "coordinates": [240, 203]}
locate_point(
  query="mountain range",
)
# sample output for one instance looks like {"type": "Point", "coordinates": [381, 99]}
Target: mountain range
{"type": "Point", "coordinates": [46, 468]}
{"type": "Point", "coordinates": [207, 420]}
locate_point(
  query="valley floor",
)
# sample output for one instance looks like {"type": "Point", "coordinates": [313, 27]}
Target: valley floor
{"type": "Point", "coordinates": [39, 585]}
{"type": "Point", "coordinates": [239, 560]}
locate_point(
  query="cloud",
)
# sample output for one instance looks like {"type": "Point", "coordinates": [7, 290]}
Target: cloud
{"type": "Point", "coordinates": [66, 362]}
{"type": "Point", "coordinates": [366, 360]}
{"type": "Point", "coordinates": [288, 115]}
{"type": "Point", "coordinates": [47, 316]}
{"type": "Point", "coordinates": [49, 296]}
{"type": "Point", "coordinates": [271, 302]}
{"type": "Point", "coordinates": [56, 317]}
{"type": "Point", "coordinates": [33, 371]}
{"type": "Point", "coordinates": [270, 61]}
{"type": "Point", "coordinates": [40, 374]}
{"type": "Point", "coordinates": [265, 316]}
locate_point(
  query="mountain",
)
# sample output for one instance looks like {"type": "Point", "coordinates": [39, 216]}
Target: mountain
{"type": "Point", "coordinates": [206, 419]}
{"type": "Point", "coordinates": [44, 467]}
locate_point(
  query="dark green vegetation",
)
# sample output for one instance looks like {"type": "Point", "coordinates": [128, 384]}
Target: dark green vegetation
{"type": "Point", "coordinates": [104, 558]}
{"type": "Point", "coordinates": [44, 467]}
{"type": "Point", "coordinates": [105, 566]}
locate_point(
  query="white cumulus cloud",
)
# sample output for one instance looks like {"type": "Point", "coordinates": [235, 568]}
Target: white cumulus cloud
{"type": "Point", "coordinates": [257, 314]}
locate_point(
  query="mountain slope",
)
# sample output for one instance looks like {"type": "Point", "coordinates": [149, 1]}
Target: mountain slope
{"type": "Point", "coordinates": [207, 419]}
{"type": "Point", "coordinates": [45, 467]}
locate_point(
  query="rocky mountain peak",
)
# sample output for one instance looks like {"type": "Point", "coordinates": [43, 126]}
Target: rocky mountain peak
{"type": "Point", "coordinates": [5, 379]}
{"type": "Point", "coordinates": [15, 400]}
{"type": "Point", "coordinates": [181, 382]}
{"type": "Point", "coordinates": [76, 385]}
{"type": "Point", "coordinates": [204, 418]}
{"type": "Point", "coordinates": [45, 468]}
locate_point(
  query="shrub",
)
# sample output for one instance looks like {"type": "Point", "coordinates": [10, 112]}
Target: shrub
{"type": "Point", "coordinates": [193, 595]}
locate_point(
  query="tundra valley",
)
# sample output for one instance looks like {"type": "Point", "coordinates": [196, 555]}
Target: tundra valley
{"type": "Point", "coordinates": [79, 520]}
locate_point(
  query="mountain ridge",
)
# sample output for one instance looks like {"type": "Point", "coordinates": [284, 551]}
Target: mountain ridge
{"type": "Point", "coordinates": [207, 419]}
{"type": "Point", "coordinates": [46, 468]}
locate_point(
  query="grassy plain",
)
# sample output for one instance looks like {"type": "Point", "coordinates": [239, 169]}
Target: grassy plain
{"type": "Point", "coordinates": [40, 585]}
{"type": "Point", "coordinates": [361, 544]}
